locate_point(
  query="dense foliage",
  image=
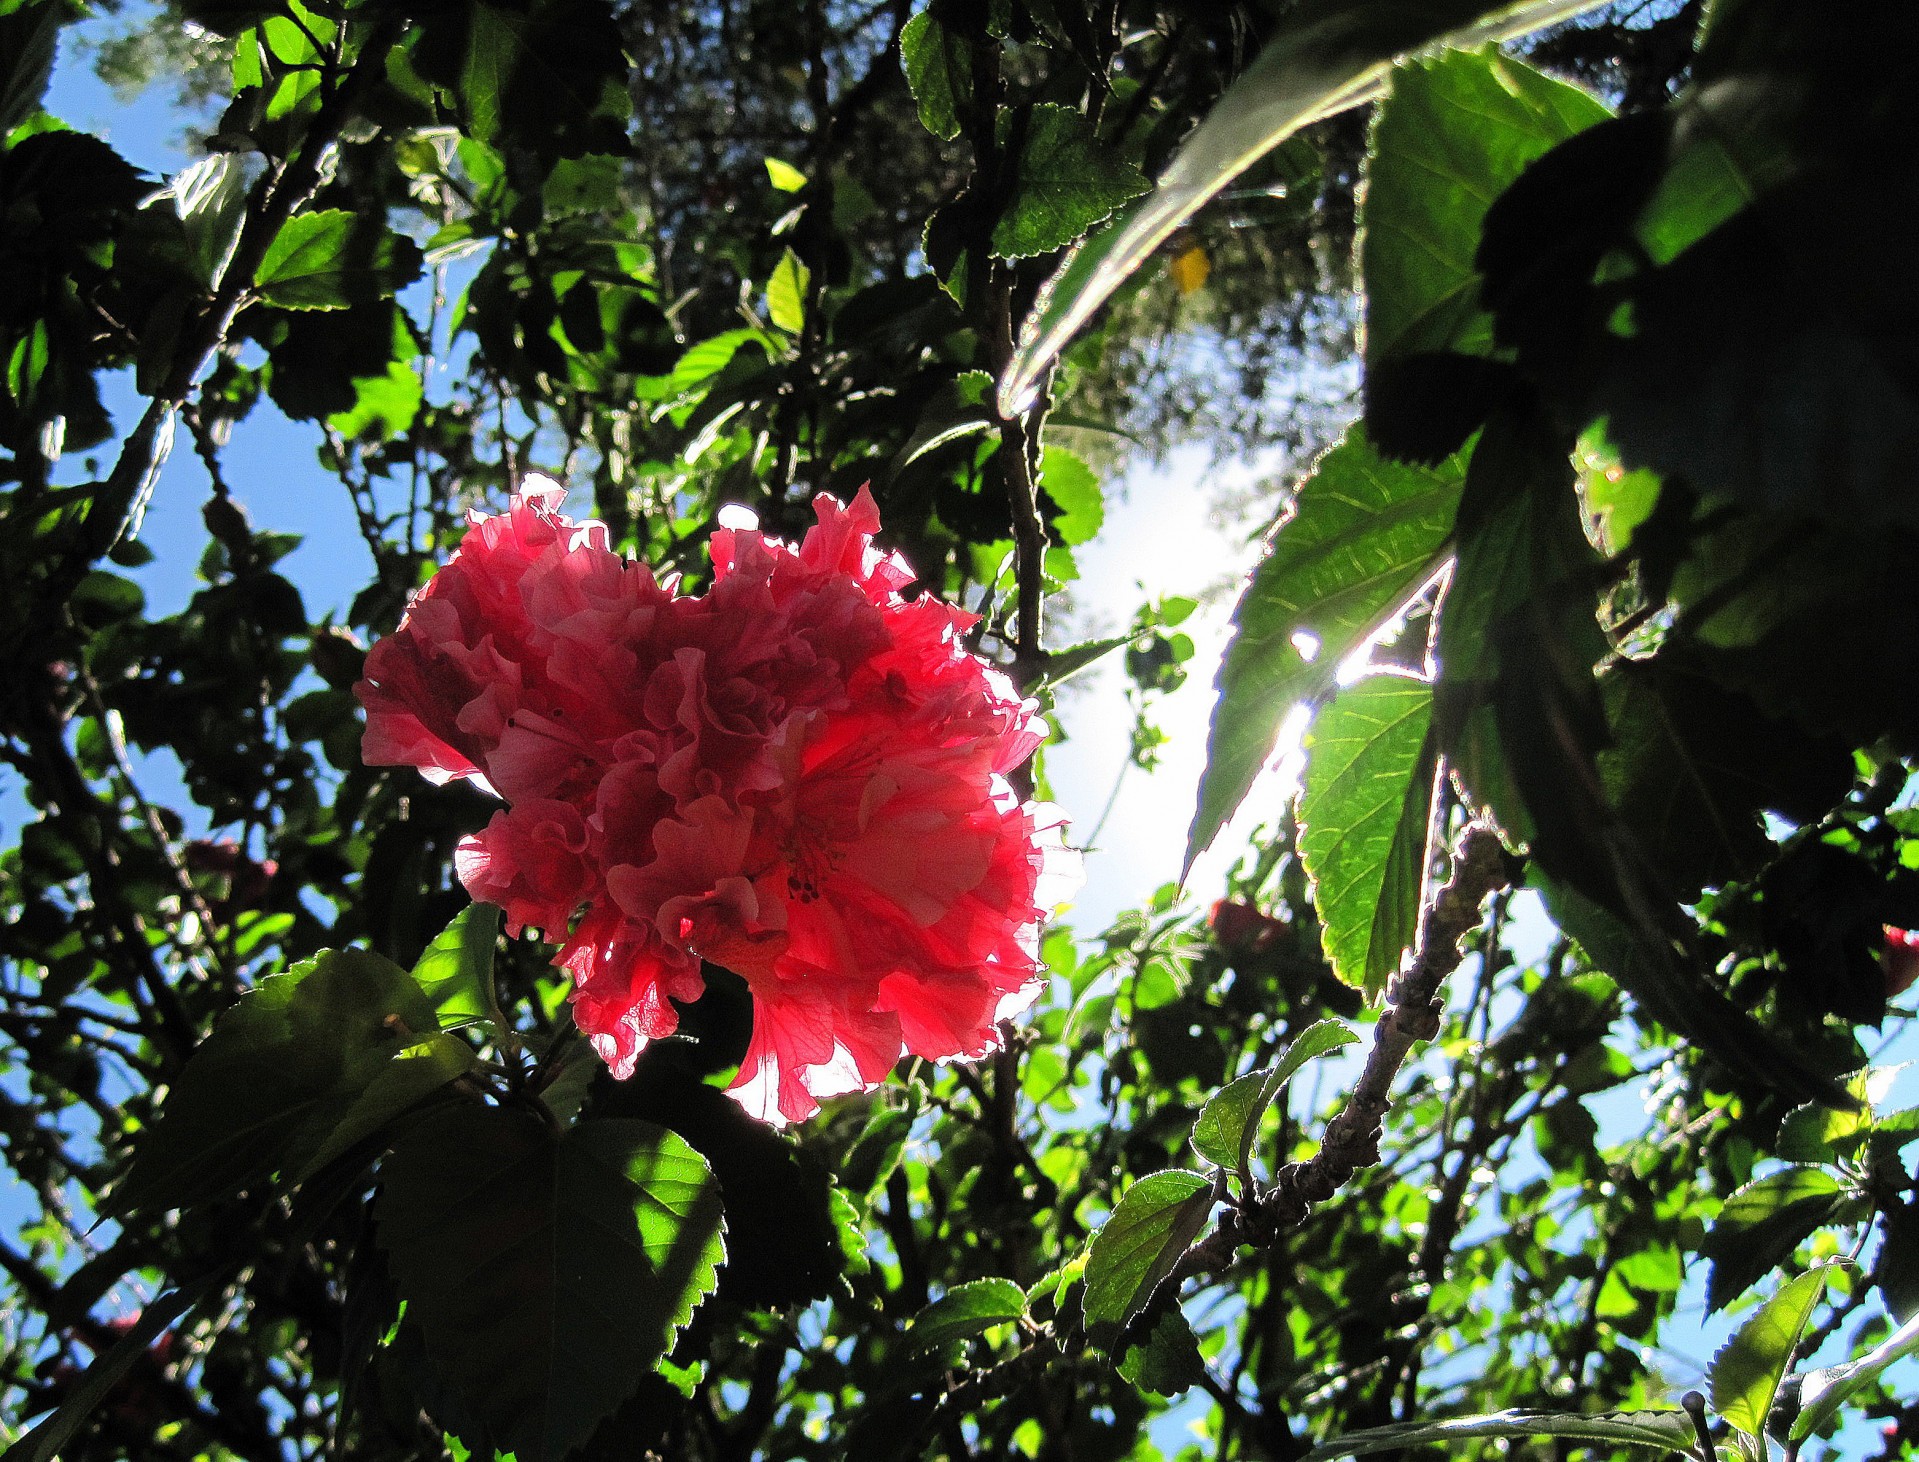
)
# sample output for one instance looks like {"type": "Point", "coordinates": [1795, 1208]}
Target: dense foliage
{"type": "Point", "coordinates": [310, 1156]}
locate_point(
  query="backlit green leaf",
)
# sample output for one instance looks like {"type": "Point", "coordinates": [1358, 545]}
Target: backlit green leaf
{"type": "Point", "coordinates": [786, 293]}
{"type": "Point", "coordinates": [939, 71]}
{"type": "Point", "coordinates": [327, 261]}
{"type": "Point", "coordinates": [1224, 1131]}
{"type": "Point", "coordinates": [1745, 1375]}
{"type": "Point", "coordinates": [964, 1311]}
{"type": "Point", "coordinates": [1369, 770]}
{"type": "Point", "coordinates": [1452, 131]}
{"type": "Point", "coordinates": [456, 972]}
{"type": "Point", "coordinates": [1156, 1220]}
{"type": "Point", "coordinates": [279, 1074]}
{"type": "Point", "coordinates": [1762, 1223]}
{"type": "Point", "coordinates": [1363, 535]}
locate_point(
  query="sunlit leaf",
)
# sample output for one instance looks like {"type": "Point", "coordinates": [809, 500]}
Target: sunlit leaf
{"type": "Point", "coordinates": [1451, 132]}
{"type": "Point", "coordinates": [786, 293]}
{"type": "Point", "coordinates": [1362, 536]}
{"type": "Point", "coordinates": [1746, 1372]}
{"type": "Point", "coordinates": [1824, 1391]}
{"type": "Point", "coordinates": [964, 1311]}
{"type": "Point", "coordinates": [1156, 1220]}
{"type": "Point", "coordinates": [939, 71]}
{"type": "Point", "coordinates": [1363, 813]}
{"type": "Point", "coordinates": [456, 972]}
{"type": "Point", "coordinates": [1761, 1224]}
{"type": "Point", "coordinates": [1227, 1124]}
{"type": "Point", "coordinates": [328, 260]}
{"type": "Point", "coordinates": [1066, 181]}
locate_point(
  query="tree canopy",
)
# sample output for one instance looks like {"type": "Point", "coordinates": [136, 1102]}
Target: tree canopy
{"type": "Point", "coordinates": [1529, 1088]}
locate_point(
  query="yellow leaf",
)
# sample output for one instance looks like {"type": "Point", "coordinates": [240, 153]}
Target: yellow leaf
{"type": "Point", "coordinates": [1190, 269]}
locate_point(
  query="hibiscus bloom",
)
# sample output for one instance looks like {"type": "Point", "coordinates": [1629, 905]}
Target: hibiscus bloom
{"type": "Point", "coordinates": [799, 775]}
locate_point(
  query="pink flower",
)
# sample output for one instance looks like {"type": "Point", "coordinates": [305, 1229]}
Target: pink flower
{"type": "Point", "coordinates": [799, 775]}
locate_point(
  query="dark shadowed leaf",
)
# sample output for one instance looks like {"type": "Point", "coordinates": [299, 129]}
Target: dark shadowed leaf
{"type": "Point", "coordinates": [547, 1273]}
{"type": "Point", "coordinates": [1167, 1361]}
{"type": "Point", "coordinates": [1363, 535]}
{"type": "Point", "coordinates": [548, 76]}
{"type": "Point", "coordinates": [1156, 1220]}
{"type": "Point", "coordinates": [29, 36]}
{"type": "Point", "coordinates": [1363, 814]}
{"type": "Point", "coordinates": [280, 1072]}
{"type": "Point", "coordinates": [1683, 1000]}
{"type": "Point", "coordinates": [49, 1439]}
{"type": "Point", "coordinates": [964, 1311]}
{"type": "Point", "coordinates": [1691, 767]}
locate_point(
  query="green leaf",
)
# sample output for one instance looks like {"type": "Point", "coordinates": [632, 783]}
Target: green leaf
{"type": "Point", "coordinates": [786, 293]}
{"type": "Point", "coordinates": [1156, 1221]}
{"type": "Point", "coordinates": [939, 72]}
{"type": "Point", "coordinates": [384, 406]}
{"type": "Point", "coordinates": [1074, 489]}
{"type": "Point", "coordinates": [280, 1072]}
{"type": "Point", "coordinates": [327, 261]}
{"type": "Point", "coordinates": [1167, 1361]}
{"type": "Point", "coordinates": [1669, 1431]}
{"type": "Point", "coordinates": [1824, 1391]}
{"type": "Point", "coordinates": [456, 972]}
{"type": "Point", "coordinates": [1452, 132]}
{"type": "Point", "coordinates": [1745, 1375]}
{"type": "Point", "coordinates": [1363, 814]}
{"type": "Point", "coordinates": [964, 1311]}
{"type": "Point", "coordinates": [1224, 1131]}
{"type": "Point", "coordinates": [707, 358]}
{"type": "Point", "coordinates": [547, 1273]}
{"type": "Point", "coordinates": [1326, 56]}
{"type": "Point", "coordinates": [1761, 1224]}
{"type": "Point", "coordinates": [1363, 535]}
{"type": "Point", "coordinates": [1065, 182]}
{"type": "Point", "coordinates": [876, 1151]}
{"type": "Point", "coordinates": [784, 176]}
